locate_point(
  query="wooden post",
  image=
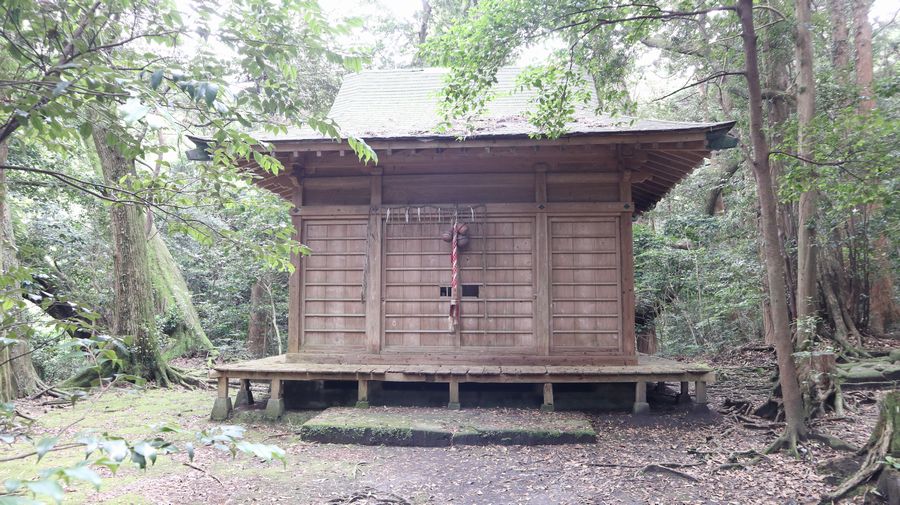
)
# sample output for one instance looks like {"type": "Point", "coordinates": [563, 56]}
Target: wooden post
{"type": "Point", "coordinates": [700, 393]}
{"type": "Point", "coordinates": [373, 274]}
{"type": "Point", "coordinates": [685, 396]}
{"type": "Point", "coordinates": [244, 395]}
{"type": "Point", "coordinates": [275, 405]}
{"type": "Point", "coordinates": [295, 304]}
{"type": "Point", "coordinates": [640, 399]}
{"type": "Point", "coordinates": [626, 264]}
{"type": "Point", "coordinates": [362, 397]}
{"type": "Point", "coordinates": [542, 264]}
{"type": "Point", "coordinates": [222, 406]}
{"type": "Point", "coordinates": [548, 405]}
{"type": "Point", "coordinates": [454, 395]}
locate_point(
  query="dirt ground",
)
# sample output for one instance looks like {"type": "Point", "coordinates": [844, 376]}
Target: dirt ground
{"type": "Point", "coordinates": [616, 470]}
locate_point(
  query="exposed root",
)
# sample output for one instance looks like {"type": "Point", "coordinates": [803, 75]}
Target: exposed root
{"type": "Point", "coordinates": [787, 441]}
{"type": "Point", "coordinates": [883, 442]}
{"type": "Point", "coordinates": [831, 441]}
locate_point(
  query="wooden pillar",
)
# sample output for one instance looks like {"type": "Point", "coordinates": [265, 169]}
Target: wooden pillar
{"type": "Point", "coordinates": [548, 405]}
{"type": "Point", "coordinates": [275, 405]}
{"type": "Point", "coordinates": [542, 263]}
{"type": "Point", "coordinates": [626, 241]}
{"type": "Point", "coordinates": [685, 396]}
{"type": "Point", "coordinates": [222, 406]}
{"type": "Point", "coordinates": [453, 404]}
{"type": "Point", "coordinates": [640, 399]}
{"type": "Point", "coordinates": [700, 393]}
{"type": "Point", "coordinates": [362, 397]}
{"type": "Point", "coordinates": [373, 274]}
{"type": "Point", "coordinates": [244, 394]}
{"type": "Point", "coordinates": [295, 286]}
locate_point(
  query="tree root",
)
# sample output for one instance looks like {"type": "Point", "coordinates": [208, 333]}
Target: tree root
{"type": "Point", "coordinates": [882, 443]}
{"type": "Point", "coordinates": [832, 441]}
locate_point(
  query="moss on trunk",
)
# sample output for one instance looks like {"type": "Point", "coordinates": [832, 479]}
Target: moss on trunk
{"type": "Point", "coordinates": [172, 300]}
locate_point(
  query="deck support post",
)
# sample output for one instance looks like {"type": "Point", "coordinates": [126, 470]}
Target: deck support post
{"type": "Point", "coordinates": [548, 405]}
{"type": "Point", "coordinates": [275, 405]}
{"type": "Point", "coordinates": [244, 395]}
{"type": "Point", "coordinates": [685, 396]}
{"type": "Point", "coordinates": [222, 406]}
{"type": "Point", "coordinates": [454, 395]}
{"type": "Point", "coordinates": [640, 399]}
{"type": "Point", "coordinates": [700, 395]}
{"type": "Point", "coordinates": [362, 397]}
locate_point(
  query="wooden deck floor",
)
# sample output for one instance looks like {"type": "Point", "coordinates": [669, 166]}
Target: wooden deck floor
{"type": "Point", "coordinates": [648, 369]}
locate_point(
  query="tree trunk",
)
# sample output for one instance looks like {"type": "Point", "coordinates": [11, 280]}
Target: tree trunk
{"type": "Point", "coordinates": [882, 309]}
{"type": "Point", "coordinates": [133, 308]}
{"type": "Point", "coordinates": [862, 41]}
{"type": "Point", "coordinates": [840, 54]}
{"type": "Point", "coordinates": [714, 202]}
{"type": "Point", "coordinates": [172, 300]}
{"type": "Point", "coordinates": [806, 227]}
{"type": "Point", "coordinates": [779, 111]}
{"type": "Point", "coordinates": [790, 387]}
{"type": "Point", "coordinates": [18, 377]}
{"type": "Point", "coordinates": [259, 324]}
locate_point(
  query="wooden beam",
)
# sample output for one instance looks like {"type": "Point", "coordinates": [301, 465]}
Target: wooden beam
{"type": "Point", "coordinates": [686, 139]}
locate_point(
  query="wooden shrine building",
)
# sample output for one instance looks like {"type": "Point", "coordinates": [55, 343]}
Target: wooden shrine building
{"type": "Point", "coordinates": [497, 257]}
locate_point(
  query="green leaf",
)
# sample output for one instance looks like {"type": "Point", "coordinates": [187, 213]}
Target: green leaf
{"type": "Point", "coordinates": [86, 129]}
{"type": "Point", "coordinates": [61, 88]}
{"type": "Point", "coordinates": [47, 487]}
{"type": "Point", "coordinates": [44, 445]}
{"type": "Point", "coordinates": [133, 110]}
{"type": "Point", "coordinates": [210, 93]}
{"type": "Point", "coordinates": [83, 472]}
{"type": "Point", "coordinates": [145, 452]}
{"type": "Point", "coordinates": [156, 79]}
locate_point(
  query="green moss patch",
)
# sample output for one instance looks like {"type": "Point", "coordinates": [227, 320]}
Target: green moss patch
{"type": "Point", "coordinates": [435, 427]}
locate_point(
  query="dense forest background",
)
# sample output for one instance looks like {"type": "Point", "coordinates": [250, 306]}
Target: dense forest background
{"type": "Point", "coordinates": [120, 257]}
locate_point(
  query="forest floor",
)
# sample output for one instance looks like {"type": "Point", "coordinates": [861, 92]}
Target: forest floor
{"type": "Point", "coordinates": [613, 470]}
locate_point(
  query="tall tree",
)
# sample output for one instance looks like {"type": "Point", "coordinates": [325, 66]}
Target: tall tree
{"type": "Point", "coordinates": [784, 349]}
{"type": "Point", "coordinates": [494, 29]}
{"type": "Point", "coordinates": [133, 309]}
{"type": "Point", "coordinates": [882, 308]}
{"type": "Point", "coordinates": [806, 235]}
{"type": "Point", "coordinates": [18, 377]}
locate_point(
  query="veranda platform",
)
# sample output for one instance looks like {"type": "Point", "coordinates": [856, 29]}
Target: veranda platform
{"type": "Point", "coordinates": [278, 369]}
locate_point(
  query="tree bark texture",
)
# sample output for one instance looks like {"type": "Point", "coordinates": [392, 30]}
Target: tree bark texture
{"type": "Point", "coordinates": [790, 387]}
{"type": "Point", "coordinates": [18, 377]}
{"type": "Point", "coordinates": [840, 35]}
{"type": "Point", "coordinates": [806, 215]}
{"type": "Point", "coordinates": [779, 111]}
{"type": "Point", "coordinates": [259, 324]}
{"type": "Point", "coordinates": [883, 311]}
{"type": "Point", "coordinates": [172, 299]}
{"type": "Point", "coordinates": [862, 41]}
{"type": "Point", "coordinates": [133, 310]}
